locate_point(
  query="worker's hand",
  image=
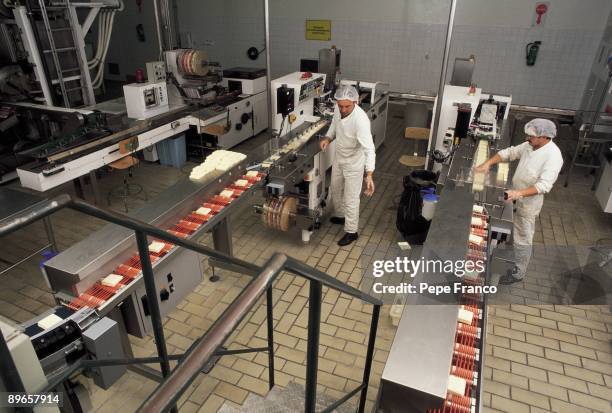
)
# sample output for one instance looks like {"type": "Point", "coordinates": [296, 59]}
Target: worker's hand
{"type": "Point", "coordinates": [324, 143]}
{"type": "Point", "coordinates": [513, 195]}
{"type": "Point", "coordinates": [483, 167]}
{"type": "Point", "coordinates": [369, 186]}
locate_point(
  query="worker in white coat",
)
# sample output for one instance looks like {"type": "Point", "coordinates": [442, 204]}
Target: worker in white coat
{"type": "Point", "coordinates": [354, 154]}
{"type": "Point", "coordinates": [540, 161]}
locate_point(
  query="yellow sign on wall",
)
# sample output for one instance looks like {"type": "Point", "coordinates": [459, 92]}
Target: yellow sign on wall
{"type": "Point", "coordinates": [318, 29]}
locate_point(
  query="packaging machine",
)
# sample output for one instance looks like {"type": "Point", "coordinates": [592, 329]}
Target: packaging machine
{"type": "Point", "coordinates": [71, 143]}
{"type": "Point", "coordinates": [436, 360]}
{"type": "Point", "coordinates": [95, 312]}
{"type": "Point", "coordinates": [86, 140]}
{"type": "Point", "coordinates": [296, 191]}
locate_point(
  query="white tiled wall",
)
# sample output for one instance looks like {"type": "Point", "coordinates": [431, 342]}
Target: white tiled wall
{"type": "Point", "coordinates": [556, 80]}
{"type": "Point", "coordinates": [401, 41]}
{"type": "Point", "coordinates": [409, 56]}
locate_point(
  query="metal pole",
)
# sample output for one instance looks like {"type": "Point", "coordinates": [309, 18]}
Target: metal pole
{"type": "Point", "coordinates": [312, 349]}
{"type": "Point", "coordinates": [156, 321]}
{"type": "Point", "coordinates": [449, 33]}
{"type": "Point", "coordinates": [268, 66]}
{"type": "Point", "coordinates": [160, 40]}
{"type": "Point", "coordinates": [269, 305]}
{"type": "Point", "coordinates": [172, 388]}
{"type": "Point", "coordinates": [50, 234]}
{"type": "Point", "coordinates": [369, 357]}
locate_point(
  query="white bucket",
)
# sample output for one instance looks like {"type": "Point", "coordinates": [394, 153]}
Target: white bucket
{"type": "Point", "coordinates": [429, 206]}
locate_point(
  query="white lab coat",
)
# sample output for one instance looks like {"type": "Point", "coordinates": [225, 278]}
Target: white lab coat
{"type": "Point", "coordinates": [539, 168]}
{"type": "Point", "coordinates": [354, 153]}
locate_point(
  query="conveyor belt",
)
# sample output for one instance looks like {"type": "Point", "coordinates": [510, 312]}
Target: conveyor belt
{"type": "Point", "coordinates": [469, 340]}
{"type": "Point", "coordinates": [98, 294]}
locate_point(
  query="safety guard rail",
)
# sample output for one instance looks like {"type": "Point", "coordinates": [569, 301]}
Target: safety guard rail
{"type": "Point", "coordinates": [209, 345]}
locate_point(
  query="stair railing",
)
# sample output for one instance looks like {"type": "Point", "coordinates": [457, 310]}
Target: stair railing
{"type": "Point", "coordinates": [209, 345]}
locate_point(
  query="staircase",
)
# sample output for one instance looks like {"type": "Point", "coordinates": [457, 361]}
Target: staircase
{"type": "Point", "coordinates": [289, 399]}
{"type": "Point", "coordinates": [293, 397]}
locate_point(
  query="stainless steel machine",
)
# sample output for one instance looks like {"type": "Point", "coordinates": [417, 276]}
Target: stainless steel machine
{"type": "Point", "coordinates": [76, 142]}
{"type": "Point", "coordinates": [75, 274]}
{"type": "Point", "coordinates": [50, 345]}
{"type": "Point", "coordinates": [460, 107]}
{"type": "Point", "coordinates": [329, 63]}
{"type": "Point", "coordinates": [436, 360]}
{"type": "Point", "coordinates": [298, 180]}
{"type": "Point", "coordinates": [239, 92]}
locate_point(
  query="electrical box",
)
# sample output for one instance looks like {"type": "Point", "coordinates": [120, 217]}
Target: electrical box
{"type": "Point", "coordinates": [295, 93]}
{"type": "Point", "coordinates": [144, 100]}
{"type": "Point", "coordinates": [285, 99]}
{"type": "Point", "coordinates": [103, 341]}
{"type": "Point", "coordinates": [156, 72]}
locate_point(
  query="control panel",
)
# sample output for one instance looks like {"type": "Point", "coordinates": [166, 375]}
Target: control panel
{"type": "Point", "coordinates": [311, 88]}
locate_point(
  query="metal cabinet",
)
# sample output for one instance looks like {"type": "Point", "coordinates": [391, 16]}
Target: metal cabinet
{"type": "Point", "coordinates": [604, 189]}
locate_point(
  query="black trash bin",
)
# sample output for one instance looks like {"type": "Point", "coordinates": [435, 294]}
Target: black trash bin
{"type": "Point", "coordinates": [410, 223]}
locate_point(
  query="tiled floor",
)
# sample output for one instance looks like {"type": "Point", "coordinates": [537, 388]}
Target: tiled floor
{"type": "Point", "coordinates": [539, 358]}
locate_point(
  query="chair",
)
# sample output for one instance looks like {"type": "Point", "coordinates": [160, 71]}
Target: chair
{"type": "Point", "coordinates": [127, 163]}
{"type": "Point", "coordinates": [416, 135]}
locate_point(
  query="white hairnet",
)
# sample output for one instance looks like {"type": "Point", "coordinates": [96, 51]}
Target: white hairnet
{"type": "Point", "coordinates": [541, 127]}
{"type": "Point", "coordinates": [347, 92]}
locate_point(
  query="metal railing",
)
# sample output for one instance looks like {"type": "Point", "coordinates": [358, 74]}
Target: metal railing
{"type": "Point", "coordinates": [209, 345]}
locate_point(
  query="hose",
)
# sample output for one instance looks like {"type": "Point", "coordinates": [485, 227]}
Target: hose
{"type": "Point", "coordinates": [97, 82]}
{"type": "Point", "coordinates": [101, 37]}
{"type": "Point", "coordinates": [105, 31]}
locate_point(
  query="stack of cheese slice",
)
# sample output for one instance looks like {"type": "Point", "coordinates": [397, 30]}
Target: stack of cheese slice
{"type": "Point", "coordinates": [502, 173]}
{"type": "Point", "coordinates": [480, 156]}
{"type": "Point", "coordinates": [219, 161]}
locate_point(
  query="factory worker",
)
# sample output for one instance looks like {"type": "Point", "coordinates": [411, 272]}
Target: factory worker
{"type": "Point", "coordinates": [540, 161]}
{"type": "Point", "coordinates": [354, 154]}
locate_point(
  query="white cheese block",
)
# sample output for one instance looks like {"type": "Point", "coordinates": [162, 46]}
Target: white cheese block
{"type": "Point", "coordinates": [456, 385]}
{"type": "Point", "coordinates": [465, 316]}
{"type": "Point", "coordinates": [404, 245]}
{"type": "Point", "coordinates": [227, 193]}
{"type": "Point", "coordinates": [111, 280]}
{"type": "Point", "coordinates": [472, 275]}
{"type": "Point", "coordinates": [156, 247]}
{"type": "Point", "coordinates": [49, 321]}
{"type": "Point", "coordinates": [476, 239]}
{"type": "Point", "coordinates": [252, 174]}
{"type": "Point", "coordinates": [241, 182]}
{"type": "Point", "coordinates": [479, 209]}
{"type": "Point", "coordinates": [477, 222]}
{"type": "Point", "coordinates": [203, 211]}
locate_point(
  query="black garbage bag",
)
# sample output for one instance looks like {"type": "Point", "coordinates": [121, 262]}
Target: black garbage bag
{"type": "Point", "coordinates": [410, 223]}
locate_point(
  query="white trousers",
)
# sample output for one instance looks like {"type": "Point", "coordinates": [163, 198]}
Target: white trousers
{"type": "Point", "coordinates": [524, 228]}
{"type": "Point", "coordinates": [346, 182]}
